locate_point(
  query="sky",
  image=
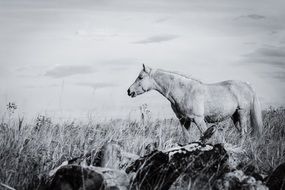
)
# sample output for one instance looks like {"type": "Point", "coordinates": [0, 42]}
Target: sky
{"type": "Point", "coordinates": [76, 59]}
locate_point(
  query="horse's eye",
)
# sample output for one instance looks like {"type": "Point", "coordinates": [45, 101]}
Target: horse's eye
{"type": "Point", "coordinates": [140, 77]}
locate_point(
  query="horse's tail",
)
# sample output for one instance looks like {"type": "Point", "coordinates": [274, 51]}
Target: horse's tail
{"type": "Point", "coordinates": [256, 117]}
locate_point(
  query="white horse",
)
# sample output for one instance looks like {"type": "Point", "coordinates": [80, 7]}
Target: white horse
{"type": "Point", "coordinates": [197, 102]}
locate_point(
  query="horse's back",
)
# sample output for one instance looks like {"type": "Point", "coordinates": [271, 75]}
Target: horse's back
{"type": "Point", "coordinates": [241, 90]}
{"type": "Point", "coordinates": [222, 99]}
{"type": "Point", "coordinates": [235, 87]}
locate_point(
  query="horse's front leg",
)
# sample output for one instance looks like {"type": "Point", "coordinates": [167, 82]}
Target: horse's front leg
{"type": "Point", "coordinates": [185, 124]}
{"type": "Point", "coordinates": [201, 124]}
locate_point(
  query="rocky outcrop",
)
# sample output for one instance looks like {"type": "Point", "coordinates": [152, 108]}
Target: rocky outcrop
{"type": "Point", "coordinates": [196, 165]}
{"type": "Point", "coordinates": [76, 177]}
{"type": "Point", "coordinates": [277, 179]}
{"type": "Point", "coordinates": [161, 169]}
{"type": "Point", "coordinates": [237, 179]}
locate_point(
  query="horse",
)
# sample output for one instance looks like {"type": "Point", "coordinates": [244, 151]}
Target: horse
{"type": "Point", "coordinates": [196, 102]}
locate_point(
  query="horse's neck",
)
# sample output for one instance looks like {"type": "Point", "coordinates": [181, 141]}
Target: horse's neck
{"type": "Point", "coordinates": [171, 85]}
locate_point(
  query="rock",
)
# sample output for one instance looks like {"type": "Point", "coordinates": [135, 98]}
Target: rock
{"type": "Point", "coordinates": [114, 179]}
{"type": "Point", "coordinates": [208, 134]}
{"type": "Point", "coordinates": [251, 170]}
{"type": "Point", "coordinates": [238, 180]}
{"type": "Point", "coordinates": [110, 155]}
{"type": "Point", "coordinates": [150, 147]}
{"type": "Point", "coordinates": [103, 162]}
{"type": "Point", "coordinates": [276, 181]}
{"type": "Point", "coordinates": [74, 177]}
{"type": "Point", "coordinates": [195, 166]}
{"type": "Point", "coordinates": [159, 170]}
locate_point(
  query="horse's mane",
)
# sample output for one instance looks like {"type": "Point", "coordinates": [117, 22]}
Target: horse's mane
{"type": "Point", "coordinates": [180, 74]}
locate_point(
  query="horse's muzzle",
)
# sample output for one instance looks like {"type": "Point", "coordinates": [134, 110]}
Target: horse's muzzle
{"type": "Point", "coordinates": [131, 94]}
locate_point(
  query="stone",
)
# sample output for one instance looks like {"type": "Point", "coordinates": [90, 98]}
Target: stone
{"type": "Point", "coordinates": [277, 179]}
{"type": "Point", "coordinates": [238, 180]}
{"type": "Point", "coordinates": [74, 177]}
{"type": "Point", "coordinates": [160, 169]}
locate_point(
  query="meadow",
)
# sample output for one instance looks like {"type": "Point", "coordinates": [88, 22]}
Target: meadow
{"type": "Point", "coordinates": [29, 151]}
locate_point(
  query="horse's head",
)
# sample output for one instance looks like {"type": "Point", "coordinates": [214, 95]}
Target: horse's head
{"type": "Point", "coordinates": [143, 83]}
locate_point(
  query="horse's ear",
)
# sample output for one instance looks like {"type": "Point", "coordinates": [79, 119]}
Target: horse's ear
{"type": "Point", "coordinates": [146, 69]}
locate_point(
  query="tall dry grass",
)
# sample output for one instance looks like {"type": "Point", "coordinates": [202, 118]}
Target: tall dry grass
{"type": "Point", "coordinates": [30, 150]}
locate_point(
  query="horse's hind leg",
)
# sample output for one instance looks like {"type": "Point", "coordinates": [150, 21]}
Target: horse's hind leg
{"type": "Point", "coordinates": [243, 114]}
{"type": "Point", "coordinates": [235, 119]}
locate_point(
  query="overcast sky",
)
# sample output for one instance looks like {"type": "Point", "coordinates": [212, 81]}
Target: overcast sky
{"type": "Point", "coordinates": [75, 58]}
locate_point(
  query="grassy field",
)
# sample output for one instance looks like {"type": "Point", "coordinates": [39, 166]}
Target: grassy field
{"type": "Point", "coordinates": [30, 150]}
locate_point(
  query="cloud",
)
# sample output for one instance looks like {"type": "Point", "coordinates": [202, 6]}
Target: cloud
{"type": "Point", "coordinates": [252, 16]}
{"type": "Point", "coordinates": [96, 85]}
{"type": "Point", "coordinates": [255, 16]}
{"type": "Point", "coordinates": [162, 20]}
{"type": "Point", "coordinates": [69, 70]}
{"type": "Point", "coordinates": [270, 55]}
{"type": "Point", "coordinates": [120, 62]}
{"type": "Point", "coordinates": [272, 51]}
{"type": "Point", "coordinates": [279, 75]}
{"type": "Point", "coordinates": [42, 86]}
{"type": "Point", "coordinates": [31, 67]}
{"type": "Point", "coordinates": [157, 39]}
{"type": "Point", "coordinates": [273, 56]}
{"type": "Point", "coordinates": [4, 71]}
